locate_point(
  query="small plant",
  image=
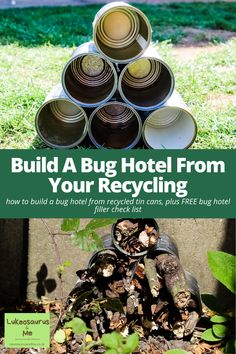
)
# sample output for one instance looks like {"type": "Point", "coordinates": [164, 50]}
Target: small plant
{"type": "Point", "coordinates": [87, 239]}
{"type": "Point", "coordinates": [222, 266]}
{"type": "Point", "coordinates": [61, 268]}
{"type": "Point", "coordinates": [114, 342]}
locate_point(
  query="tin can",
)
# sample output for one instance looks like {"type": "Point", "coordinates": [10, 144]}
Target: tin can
{"type": "Point", "coordinates": [165, 244]}
{"type": "Point", "coordinates": [59, 122]}
{"type": "Point", "coordinates": [115, 125]}
{"type": "Point", "coordinates": [171, 126]}
{"type": "Point", "coordinates": [88, 78]}
{"type": "Point", "coordinates": [194, 289]}
{"type": "Point", "coordinates": [149, 222]}
{"type": "Point", "coordinates": [108, 254]}
{"type": "Point", "coordinates": [121, 32]}
{"type": "Point", "coordinates": [147, 82]}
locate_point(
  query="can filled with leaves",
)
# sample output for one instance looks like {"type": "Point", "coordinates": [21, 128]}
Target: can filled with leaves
{"type": "Point", "coordinates": [135, 237]}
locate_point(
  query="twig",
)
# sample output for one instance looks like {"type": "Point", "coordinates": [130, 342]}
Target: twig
{"type": "Point", "coordinates": [152, 277]}
{"type": "Point", "coordinates": [175, 280]}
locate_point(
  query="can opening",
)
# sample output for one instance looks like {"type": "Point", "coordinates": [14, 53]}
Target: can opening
{"type": "Point", "coordinates": [122, 28]}
{"type": "Point", "coordinates": [146, 83]}
{"type": "Point", "coordinates": [115, 126]}
{"type": "Point", "coordinates": [89, 79]}
{"type": "Point", "coordinates": [61, 124]}
{"type": "Point", "coordinates": [169, 128]}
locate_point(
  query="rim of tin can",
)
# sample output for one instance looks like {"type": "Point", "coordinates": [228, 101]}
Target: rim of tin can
{"type": "Point", "coordinates": [82, 117]}
{"type": "Point", "coordinates": [111, 251]}
{"type": "Point", "coordinates": [174, 107]}
{"type": "Point", "coordinates": [165, 244]}
{"type": "Point", "coordinates": [122, 7]}
{"type": "Point", "coordinates": [113, 71]}
{"type": "Point", "coordinates": [136, 140]}
{"type": "Point", "coordinates": [121, 250]}
{"type": "Point", "coordinates": [153, 107]}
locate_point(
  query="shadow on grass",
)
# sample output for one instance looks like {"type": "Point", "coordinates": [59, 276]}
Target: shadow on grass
{"type": "Point", "coordinates": [70, 26]}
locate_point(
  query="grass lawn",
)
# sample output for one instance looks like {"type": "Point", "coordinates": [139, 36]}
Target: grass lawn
{"type": "Point", "coordinates": [36, 43]}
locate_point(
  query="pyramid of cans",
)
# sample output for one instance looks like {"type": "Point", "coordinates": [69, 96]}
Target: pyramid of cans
{"type": "Point", "coordinates": [118, 90]}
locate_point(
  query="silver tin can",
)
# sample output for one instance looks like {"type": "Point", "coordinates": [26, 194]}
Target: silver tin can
{"type": "Point", "coordinates": [59, 122]}
{"type": "Point", "coordinates": [121, 32]}
{"type": "Point", "coordinates": [147, 82]}
{"type": "Point", "coordinates": [171, 126]}
{"type": "Point", "coordinates": [88, 78]}
{"type": "Point", "coordinates": [115, 125]}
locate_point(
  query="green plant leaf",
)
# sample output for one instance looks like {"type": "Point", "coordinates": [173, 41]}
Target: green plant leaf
{"type": "Point", "coordinates": [219, 319]}
{"type": "Point", "coordinates": [132, 343]}
{"type": "Point", "coordinates": [60, 336]}
{"type": "Point", "coordinates": [209, 336]}
{"type": "Point", "coordinates": [222, 266]}
{"type": "Point", "coordinates": [111, 351]}
{"type": "Point", "coordinates": [97, 223]}
{"type": "Point", "coordinates": [176, 351]}
{"type": "Point", "coordinates": [230, 347]}
{"type": "Point", "coordinates": [70, 224]}
{"type": "Point", "coordinates": [87, 240]}
{"type": "Point", "coordinates": [112, 340]}
{"type": "Point", "coordinates": [212, 302]}
{"type": "Point", "coordinates": [77, 325]}
{"type": "Point", "coordinates": [220, 330]}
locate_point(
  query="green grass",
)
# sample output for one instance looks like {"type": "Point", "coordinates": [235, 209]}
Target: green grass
{"type": "Point", "coordinates": [36, 43]}
{"type": "Point", "coordinates": [70, 26]}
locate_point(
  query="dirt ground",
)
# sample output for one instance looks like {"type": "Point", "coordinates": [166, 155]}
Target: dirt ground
{"type": "Point", "coordinates": [26, 3]}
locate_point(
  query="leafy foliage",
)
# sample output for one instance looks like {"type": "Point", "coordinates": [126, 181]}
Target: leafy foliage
{"type": "Point", "coordinates": [87, 239]}
{"type": "Point", "coordinates": [77, 325]}
{"type": "Point", "coordinates": [219, 319]}
{"type": "Point", "coordinates": [60, 336]}
{"type": "Point", "coordinates": [70, 224]}
{"type": "Point", "coordinates": [223, 266]}
{"type": "Point", "coordinates": [116, 344]}
{"type": "Point", "coordinates": [220, 330]}
{"type": "Point", "coordinates": [209, 336]}
{"type": "Point", "coordinates": [61, 268]}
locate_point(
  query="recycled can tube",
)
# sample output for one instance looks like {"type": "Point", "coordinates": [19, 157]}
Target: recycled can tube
{"type": "Point", "coordinates": [171, 126]}
{"type": "Point", "coordinates": [115, 125]}
{"type": "Point", "coordinates": [80, 288]}
{"type": "Point", "coordinates": [121, 32]}
{"type": "Point", "coordinates": [88, 78]}
{"type": "Point", "coordinates": [107, 241]}
{"type": "Point", "coordinates": [149, 222]}
{"type": "Point", "coordinates": [194, 289]}
{"type": "Point", "coordinates": [165, 244]}
{"type": "Point", "coordinates": [59, 122]}
{"type": "Point", "coordinates": [146, 83]}
{"type": "Point", "coordinates": [111, 253]}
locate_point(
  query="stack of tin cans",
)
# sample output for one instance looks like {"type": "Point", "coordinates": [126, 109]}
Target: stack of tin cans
{"type": "Point", "coordinates": [118, 90]}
